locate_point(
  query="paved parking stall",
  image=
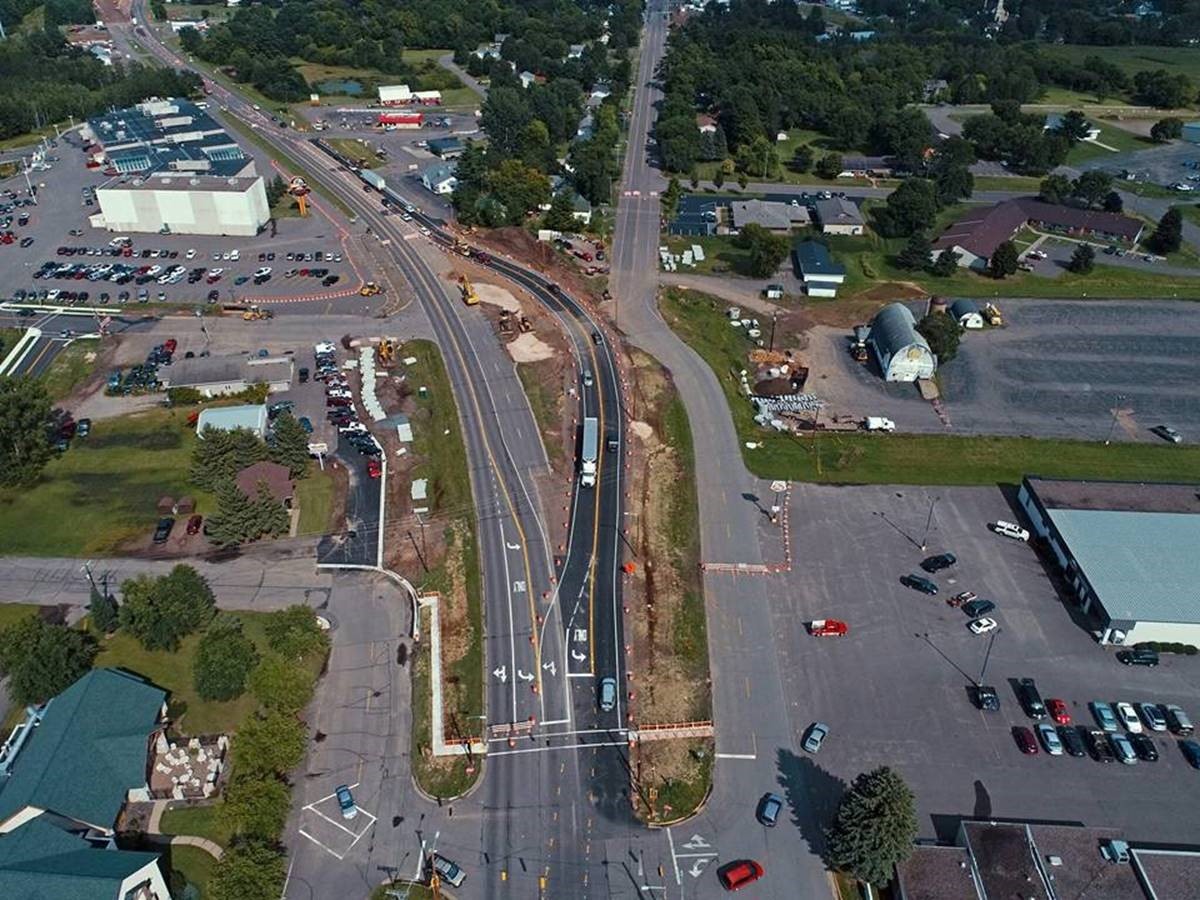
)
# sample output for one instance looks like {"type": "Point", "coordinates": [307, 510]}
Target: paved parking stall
{"type": "Point", "coordinates": [895, 690]}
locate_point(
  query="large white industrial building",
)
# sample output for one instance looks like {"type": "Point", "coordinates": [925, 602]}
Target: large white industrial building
{"type": "Point", "coordinates": [196, 204]}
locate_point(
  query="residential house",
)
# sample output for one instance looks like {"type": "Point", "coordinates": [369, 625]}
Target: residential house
{"type": "Point", "coordinates": [773, 216]}
{"type": "Point", "coordinates": [581, 210]}
{"type": "Point", "coordinates": [840, 216]}
{"type": "Point", "coordinates": [820, 272]}
{"type": "Point", "coordinates": [575, 51]}
{"type": "Point", "coordinates": [527, 78]}
{"type": "Point", "coordinates": [706, 124]}
{"type": "Point", "coordinates": [439, 178]}
{"type": "Point", "coordinates": [867, 167]}
{"type": "Point", "coordinates": [276, 477]}
{"type": "Point", "coordinates": [934, 89]}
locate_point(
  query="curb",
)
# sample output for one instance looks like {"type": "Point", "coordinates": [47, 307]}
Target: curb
{"type": "Point", "coordinates": [700, 807]}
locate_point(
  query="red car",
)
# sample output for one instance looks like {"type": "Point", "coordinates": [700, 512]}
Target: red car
{"type": "Point", "coordinates": [374, 469]}
{"type": "Point", "coordinates": [1025, 740]}
{"type": "Point", "coordinates": [1058, 711]}
{"type": "Point", "coordinates": [193, 525]}
{"type": "Point", "coordinates": [170, 344]}
{"type": "Point", "coordinates": [827, 628]}
{"type": "Point", "coordinates": [736, 875]}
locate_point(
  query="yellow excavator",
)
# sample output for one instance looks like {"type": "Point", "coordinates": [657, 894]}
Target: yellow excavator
{"type": "Point", "coordinates": [387, 351]}
{"type": "Point", "coordinates": [370, 289]}
{"type": "Point", "coordinates": [991, 314]}
{"type": "Point", "coordinates": [468, 291]}
{"type": "Point", "coordinates": [255, 313]}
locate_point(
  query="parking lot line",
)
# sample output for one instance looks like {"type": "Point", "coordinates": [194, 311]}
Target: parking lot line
{"type": "Point", "coordinates": [333, 853]}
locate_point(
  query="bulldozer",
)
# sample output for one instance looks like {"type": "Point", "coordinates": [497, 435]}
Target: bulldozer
{"type": "Point", "coordinates": [256, 313]}
{"type": "Point", "coordinates": [468, 291]}
{"type": "Point", "coordinates": [991, 314]}
{"type": "Point", "coordinates": [387, 351]}
{"type": "Point", "coordinates": [460, 246]}
{"type": "Point", "coordinates": [370, 289]}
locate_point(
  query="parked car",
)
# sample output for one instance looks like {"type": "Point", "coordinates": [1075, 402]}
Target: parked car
{"type": "Point", "coordinates": [1191, 752]}
{"type": "Point", "coordinates": [1129, 718]}
{"type": "Point", "coordinates": [1011, 529]}
{"type": "Point", "coordinates": [1139, 656]}
{"type": "Point", "coordinates": [1048, 735]}
{"type": "Point", "coordinates": [815, 736]}
{"type": "Point", "coordinates": [1123, 749]}
{"type": "Point", "coordinates": [1178, 721]}
{"type": "Point", "coordinates": [306, 424]}
{"type": "Point", "coordinates": [374, 468]}
{"type": "Point", "coordinates": [83, 428]}
{"type": "Point", "coordinates": [1105, 717]}
{"type": "Point", "coordinates": [1143, 746]}
{"type": "Point", "coordinates": [981, 626]}
{"type": "Point", "coordinates": [448, 872]}
{"type": "Point", "coordinates": [1099, 747]}
{"type": "Point", "coordinates": [345, 801]}
{"type": "Point", "coordinates": [193, 525]}
{"type": "Point", "coordinates": [162, 530]}
{"type": "Point", "coordinates": [736, 875]}
{"type": "Point", "coordinates": [1072, 741]}
{"type": "Point", "coordinates": [936, 563]}
{"type": "Point", "coordinates": [1058, 711]}
{"type": "Point", "coordinates": [919, 583]}
{"type": "Point", "coordinates": [769, 808]}
{"type": "Point", "coordinates": [986, 697]}
{"type": "Point", "coordinates": [303, 375]}
{"type": "Point", "coordinates": [1167, 433]}
{"type": "Point", "coordinates": [1025, 740]}
{"type": "Point", "coordinates": [1152, 716]}
{"type": "Point", "coordinates": [1031, 700]}
{"type": "Point", "coordinates": [977, 608]}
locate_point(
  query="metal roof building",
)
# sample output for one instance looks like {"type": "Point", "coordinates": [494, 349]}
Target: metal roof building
{"type": "Point", "coordinates": [820, 272]}
{"type": "Point", "coordinates": [228, 418]}
{"type": "Point", "coordinates": [184, 204]}
{"type": "Point", "coordinates": [214, 376]}
{"type": "Point", "coordinates": [902, 352]}
{"type": "Point", "coordinates": [1127, 551]}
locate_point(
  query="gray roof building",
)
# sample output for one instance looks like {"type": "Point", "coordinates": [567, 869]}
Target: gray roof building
{"type": "Point", "coordinates": [228, 418]}
{"type": "Point", "coordinates": [446, 148]}
{"type": "Point", "coordinates": [771, 215]}
{"type": "Point", "coordinates": [217, 375]}
{"type": "Point", "coordinates": [902, 352]}
{"type": "Point", "coordinates": [839, 211]}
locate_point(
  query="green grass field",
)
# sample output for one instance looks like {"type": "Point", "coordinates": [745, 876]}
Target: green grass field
{"type": "Point", "coordinates": [544, 405]}
{"type": "Point", "coordinates": [201, 821]}
{"type": "Point", "coordinates": [1111, 136]}
{"type": "Point", "coordinates": [859, 458]}
{"type": "Point", "coordinates": [357, 150]}
{"type": "Point", "coordinates": [721, 257]}
{"type": "Point", "coordinates": [102, 492]}
{"type": "Point", "coordinates": [195, 865]}
{"type": "Point", "coordinates": [1007, 183]}
{"type": "Point", "coordinates": [1176, 60]}
{"type": "Point", "coordinates": [314, 494]}
{"type": "Point", "coordinates": [11, 613]}
{"type": "Point", "coordinates": [70, 368]}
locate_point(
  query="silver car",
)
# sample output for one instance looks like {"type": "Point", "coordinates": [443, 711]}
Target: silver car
{"type": "Point", "coordinates": [816, 734]}
{"type": "Point", "coordinates": [1152, 716]}
{"type": "Point", "coordinates": [1050, 739]}
{"type": "Point", "coordinates": [1123, 748]}
{"type": "Point", "coordinates": [448, 872]}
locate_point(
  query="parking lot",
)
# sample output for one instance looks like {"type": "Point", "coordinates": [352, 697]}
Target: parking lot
{"type": "Point", "coordinates": [1166, 165]}
{"type": "Point", "coordinates": [60, 221]}
{"type": "Point", "coordinates": [895, 689]}
{"type": "Point", "coordinates": [1056, 369]}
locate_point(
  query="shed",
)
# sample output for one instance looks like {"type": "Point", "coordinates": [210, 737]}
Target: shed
{"type": "Point", "coordinates": [966, 313]}
{"type": "Point", "coordinates": [184, 506]}
{"type": "Point", "coordinates": [819, 271]}
{"type": "Point", "coordinates": [277, 478]}
{"type": "Point", "coordinates": [229, 418]}
{"type": "Point", "coordinates": [902, 352]}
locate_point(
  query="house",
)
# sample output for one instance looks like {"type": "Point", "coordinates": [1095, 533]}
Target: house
{"type": "Point", "coordinates": [819, 271]}
{"type": "Point", "coordinates": [839, 216]}
{"type": "Point", "coordinates": [867, 167]}
{"type": "Point", "coordinates": [977, 233]}
{"type": "Point", "coordinates": [706, 123]}
{"type": "Point", "coordinates": [215, 376]}
{"type": "Point", "coordinates": [902, 352]}
{"type": "Point", "coordinates": [439, 178]}
{"type": "Point", "coordinates": [446, 148]}
{"type": "Point", "coordinates": [933, 89]}
{"type": "Point", "coordinates": [966, 313]}
{"type": "Point", "coordinates": [229, 418]}
{"type": "Point", "coordinates": [581, 210]}
{"type": "Point", "coordinates": [277, 478]}
{"type": "Point", "coordinates": [771, 215]}
{"type": "Point", "coordinates": [575, 51]}
{"type": "Point", "coordinates": [1054, 122]}
{"type": "Point", "coordinates": [427, 98]}
{"type": "Point", "coordinates": [488, 51]}
{"type": "Point", "coordinates": [527, 78]}
{"type": "Point", "coordinates": [586, 126]}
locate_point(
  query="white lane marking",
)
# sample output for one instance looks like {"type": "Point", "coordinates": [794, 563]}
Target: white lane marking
{"type": "Point", "coordinates": [737, 756]}
{"type": "Point", "coordinates": [512, 640]}
{"type": "Point", "coordinates": [581, 746]}
{"type": "Point", "coordinates": [674, 859]}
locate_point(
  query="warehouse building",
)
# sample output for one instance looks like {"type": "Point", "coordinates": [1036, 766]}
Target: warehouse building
{"type": "Point", "coordinates": [216, 376]}
{"type": "Point", "coordinates": [902, 352]}
{"type": "Point", "coordinates": [1127, 551]}
{"type": "Point", "coordinates": [183, 204]}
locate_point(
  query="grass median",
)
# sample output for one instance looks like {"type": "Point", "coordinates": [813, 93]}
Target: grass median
{"type": "Point", "coordinates": [929, 459]}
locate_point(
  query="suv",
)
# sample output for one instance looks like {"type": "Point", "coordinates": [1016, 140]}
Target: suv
{"type": "Point", "coordinates": [1167, 433]}
{"type": "Point", "coordinates": [1031, 700]}
{"type": "Point", "coordinates": [933, 564]}
{"type": "Point", "coordinates": [1099, 747]}
{"type": "Point", "coordinates": [1139, 656]}
{"type": "Point", "coordinates": [918, 583]}
{"type": "Point", "coordinates": [608, 693]}
{"type": "Point", "coordinates": [977, 608]}
{"type": "Point", "coordinates": [162, 530]}
{"type": "Point", "coordinates": [1178, 721]}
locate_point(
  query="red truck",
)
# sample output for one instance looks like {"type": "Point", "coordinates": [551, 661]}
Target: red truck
{"type": "Point", "coordinates": [827, 628]}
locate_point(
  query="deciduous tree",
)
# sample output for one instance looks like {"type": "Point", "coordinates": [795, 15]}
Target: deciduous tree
{"type": "Point", "coordinates": [248, 870]}
{"type": "Point", "coordinates": [942, 333]}
{"type": "Point", "coordinates": [224, 660]}
{"type": "Point", "coordinates": [281, 685]}
{"type": "Point", "coordinates": [828, 166]}
{"type": "Point", "coordinates": [256, 806]}
{"type": "Point", "coordinates": [271, 744]}
{"type": "Point", "coordinates": [946, 263]}
{"type": "Point", "coordinates": [24, 416]}
{"type": "Point", "coordinates": [767, 250]}
{"type": "Point", "coordinates": [1004, 260]}
{"type": "Point", "coordinates": [161, 611]}
{"type": "Point", "coordinates": [294, 634]}
{"type": "Point", "coordinates": [41, 660]}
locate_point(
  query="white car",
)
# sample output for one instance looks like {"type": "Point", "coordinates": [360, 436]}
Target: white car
{"type": "Point", "coordinates": [1011, 529]}
{"type": "Point", "coordinates": [235, 255]}
{"type": "Point", "coordinates": [262, 271]}
{"type": "Point", "coordinates": [217, 255]}
{"type": "Point", "coordinates": [154, 270]}
{"type": "Point", "coordinates": [191, 254]}
{"type": "Point", "coordinates": [981, 626]}
{"type": "Point", "coordinates": [424, 231]}
{"type": "Point", "coordinates": [217, 271]}
{"type": "Point", "coordinates": [1129, 718]}
{"type": "Point", "coordinates": [1050, 739]}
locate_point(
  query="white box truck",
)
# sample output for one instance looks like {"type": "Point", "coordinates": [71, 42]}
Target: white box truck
{"type": "Point", "coordinates": [589, 452]}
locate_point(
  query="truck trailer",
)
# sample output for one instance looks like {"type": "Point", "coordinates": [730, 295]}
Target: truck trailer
{"type": "Point", "coordinates": [589, 452]}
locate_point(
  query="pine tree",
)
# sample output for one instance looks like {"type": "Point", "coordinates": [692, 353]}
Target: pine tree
{"type": "Point", "coordinates": [290, 446]}
{"type": "Point", "coordinates": [1082, 260]}
{"type": "Point", "coordinates": [915, 254]}
{"type": "Point", "coordinates": [559, 217]}
{"type": "Point", "coordinates": [236, 519]}
{"type": "Point", "coordinates": [1168, 235]}
{"type": "Point", "coordinates": [946, 263]}
{"type": "Point", "coordinates": [1003, 261]}
{"type": "Point", "coordinates": [271, 517]}
{"type": "Point", "coordinates": [875, 827]}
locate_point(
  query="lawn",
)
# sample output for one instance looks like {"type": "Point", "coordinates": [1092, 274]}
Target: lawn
{"type": "Point", "coordinates": [201, 821]}
{"type": "Point", "coordinates": [1111, 136]}
{"type": "Point", "coordinates": [1190, 211]}
{"type": "Point", "coordinates": [103, 491]}
{"type": "Point", "coordinates": [1007, 183]}
{"type": "Point", "coordinates": [70, 368]}
{"type": "Point", "coordinates": [173, 673]}
{"type": "Point", "coordinates": [195, 865]}
{"type": "Point", "coordinates": [409, 889]}
{"type": "Point", "coordinates": [544, 403]}
{"type": "Point", "coordinates": [11, 613]}
{"type": "Point", "coordinates": [721, 256]}
{"type": "Point", "coordinates": [1176, 60]}
{"type": "Point", "coordinates": [859, 458]}
{"type": "Point", "coordinates": [315, 497]}
{"type": "Point", "coordinates": [820, 143]}
{"type": "Point", "coordinates": [357, 150]}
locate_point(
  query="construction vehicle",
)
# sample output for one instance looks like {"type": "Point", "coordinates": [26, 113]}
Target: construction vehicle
{"type": "Point", "coordinates": [299, 189]}
{"type": "Point", "coordinates": [524, 324]}
{"type": "Point", "coordinates": [468, 291]}
{"type": "Point", "coordinates": [460, 246]}
{"type": "Point", "coordinates": [370, 289]}
{"type": "Point", "coordinates": [256, 313]}
{"type": "Point", "coordinates": [387, 351]}
{"type": "Point", "coordinates": [991, 315]}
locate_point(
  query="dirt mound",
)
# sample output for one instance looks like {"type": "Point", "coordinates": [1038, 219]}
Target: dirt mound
{"type": "Point", "coordinates": [497, 296]}
{"type": "Point", "coordinates": [529, 347]}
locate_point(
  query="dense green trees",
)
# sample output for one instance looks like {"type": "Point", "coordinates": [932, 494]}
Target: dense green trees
{"type": "Point", "coordinates": [294, 634]}
{"type": "Point", "coordinates": [161, 611]}
{"type": "Point", "coordinates": [224, 660]}
{"type": "Point", "coordinates": [1167, 129]}
{"type": "Point", "coordinates": [911, 207]}
{"type": "Point", "coordinates": [875, 826]}
{"type": "Point", "coordinates": [248, 870]}
{"type": "Point", "coordinates": [767, 250]}
{"type": "Point", "coordinates": [943, 334]}
{"type": "Point", "coordinates": [219, 455]}
{"type": "Point", "coordinates": [240, 518]}
{"type": "Point", "coordinates": [1018, 139]}
{"type": "Point", "coordinates": [41, 659]}
{"type": "Point", "coordinates": [289, 444]}
{"type": "Point", "coordinates": [1082, 260]}
{"type": "Point", "coordinates": [1004, 260]}
{"type": "Point", "coordinates": [916, 253]}
{"type": "Point", "coordinates": [24, 419]}
{"type": "Point", "coordinates": [1168, 235]}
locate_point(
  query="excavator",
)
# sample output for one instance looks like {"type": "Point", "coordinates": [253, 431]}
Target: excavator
{"type": "Point", "coordinates": [257, 313]}
{"type": "Point", "coordinates": [387, 351]}
{"type": "Point", "coordinates": [468, 291]}
{"type": "Point", "coordinates": [370, 289]}
{"type": "Point", "coordinates": [991, 314]}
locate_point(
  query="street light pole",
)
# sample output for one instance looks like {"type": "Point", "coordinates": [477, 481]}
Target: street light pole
{"type": "Point", "coordinates": [928, 521]}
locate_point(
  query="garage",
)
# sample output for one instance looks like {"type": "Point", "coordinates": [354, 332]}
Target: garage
{"type": "Point", "coordinates": [1127, 551]}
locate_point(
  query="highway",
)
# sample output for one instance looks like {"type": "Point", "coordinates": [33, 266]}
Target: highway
{"type": "Point", "coordinates": [532, 828]}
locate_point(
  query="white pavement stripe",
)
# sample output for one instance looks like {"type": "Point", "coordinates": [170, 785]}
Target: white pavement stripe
{"type": "Point", "coordinates": [582, 746]}
{"type": "Point", "coordinates": [737, 756]}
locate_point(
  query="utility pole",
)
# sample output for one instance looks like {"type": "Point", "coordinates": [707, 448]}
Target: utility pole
{"type": "Point", "coordinates": [774, 318]}
{"type": "Point", "coordinates": [987, 656]}
{"type": "Point", "coordinates": [928, 521]}
{"type": "Point", "coordinates": [1117, 401]}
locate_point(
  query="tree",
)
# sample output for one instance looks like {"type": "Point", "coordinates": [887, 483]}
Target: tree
{"type": "Point", "coordinates": [1167, 129]}
{"type": "Point", "coordinates": [1092, 186]}
{"type": "Point", "coordinates": [224, 660]}
{"type": "Point", "coordinates": [694, 178]}
{"type": "Point", "coordinates": [236, 517]}
{"type": "Point", "coordinates": [742, 180]}
{"type": "Point", "coordinates": [103, 610]}
{"type": "Point", "coordinates": [759, 158]}
{"type": "Point", "coordinates": [915, 254]}
{"type": "Point", "coordinates": [294, 634]}
{"type": "Point", "coordinates": [828, 166]}
{"type": "Point", "coordinates": [1168, 235]}
{"type": "Point", "coordinates": [281, 685]}
{"type": "Point", "coordinates": [1162, 89]}
{"type": "Point", "coordinates": [559, 217]}
{"type": "Point", "coordinates": [249, 870]}
{"type": "Point", "coordinates": [1073, 126]}
{"type": "Point", "coordinates": [24, 415]}
{"type": "Point", "coordinates": [1055, 189]}
{"type": "Point", "coordinates": [219, 455]}
{"type": "Point", "coordinates": [875, 826]}
{"type": "Point", "coordinates": [1082, 260]}
{"type": "Point", "coordinates": [906, 134]}
{"type": "Point", "coordinates": [255, 806]}
{"type": "Point", "coordinates": [767, 250]}
{"type": "Point", "coordinates": [802, 159]}
{"type": "Point", "coordinates": [946, 263]}
{"type": "Point", "coordinates": [289, 446]}
{"type": "Point", "coordinates": [671, 196]}
{"type": "Point", "coordinates": [1113, 202]}
{"type": "Point", "coordinates": [943, 333]}
{"type": "Point", "coordinates": [276, 188]}
{"type": "Point", "coordinates": [273, 744]}
{"type": "Point", "coordinates": [1003, 261]}
{"type": "Point", "coordinates": [519, 187]}
{"type": "Point", "coordinates": [719, 178]}
{"type": "Point", "coordinates": [41, 660]}
{"type": "Point", "coordinates": [911, 207]}
{"type": "Point", "coordinates": [161, 611]}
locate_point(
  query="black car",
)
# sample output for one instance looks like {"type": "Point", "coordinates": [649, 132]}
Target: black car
{"type": "Point", "coordinates": [977, 608]}
{"type": "Point", "coordinates": [1031, 700]}
{"type": "Point", "coordinates": [213, 296]}
{"type": "Point", "coordinates": [917, 583]}
{"type": "Point", "coordinates": [986, 697]}
{"type": "Point", "coordinates": [1098, 746]}
{"type": "Point", "coordinates": [937, 563]}
{"type": "Point", "coordinates": [1139, 656]}
{"type": "Point", "coordinates": [162, 531]}
{"type": "Point", "coordinates": [1143, 746]}
{"type": "Point", "coordinates": [303, 375]}
{"type": "Point", "coordinates": [1072, 740]}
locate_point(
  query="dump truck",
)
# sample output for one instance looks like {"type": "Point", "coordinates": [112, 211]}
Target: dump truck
{"type": "Point", "coordinates": [589, 452]}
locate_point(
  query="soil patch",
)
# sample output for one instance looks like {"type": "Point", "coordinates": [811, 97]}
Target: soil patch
{"type": "Point", "coordinates": [497, 296]}
{"type": "Point", "coordinates": [528, 347]}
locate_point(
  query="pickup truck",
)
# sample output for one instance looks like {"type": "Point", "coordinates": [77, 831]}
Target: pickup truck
{"type": "Point", "coordinates": [827, 628]}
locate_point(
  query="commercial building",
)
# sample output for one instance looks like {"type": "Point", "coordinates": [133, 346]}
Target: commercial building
{"type": "Point", "coordinates": [820, 272]}
{"type": "Point", "coordinates": [840, 216]}
{"type": "Point", "coordinates": [902, 352]}
{"type": "Point", "coordinates": [230, 418]}
{"type": "Point", "coordinates": [446, 148]}
{"type": "Point", "coordinates": [394, 94]}
{"type": "Point", "coordinates": [773, 216]}
{"type": "Point", "coordinates": [977, 233]}
{"type": "Point", "coordinates": [215, 376]}
{"type": "Point", "coordinates": [183, 204]}
{"type": "Point", "coordinates": [439, 178]}
{"type": "Point", "coordinates": [1126, 550]}
{"type": "Point", "coordinates": [402, 119]}
{"type": "Point", "coordinates": [993, 860]}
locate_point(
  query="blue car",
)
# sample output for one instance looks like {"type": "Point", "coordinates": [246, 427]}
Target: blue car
{"type": "Point", "coordinates": [346, 802]}
{"type": "Point", "coordinates": [769, 808]}
{"type": "Point", "coordinates": [306, 424]}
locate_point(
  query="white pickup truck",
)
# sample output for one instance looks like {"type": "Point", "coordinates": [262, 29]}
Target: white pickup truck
{"type": "Point", "coordinates": [879, 423]}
